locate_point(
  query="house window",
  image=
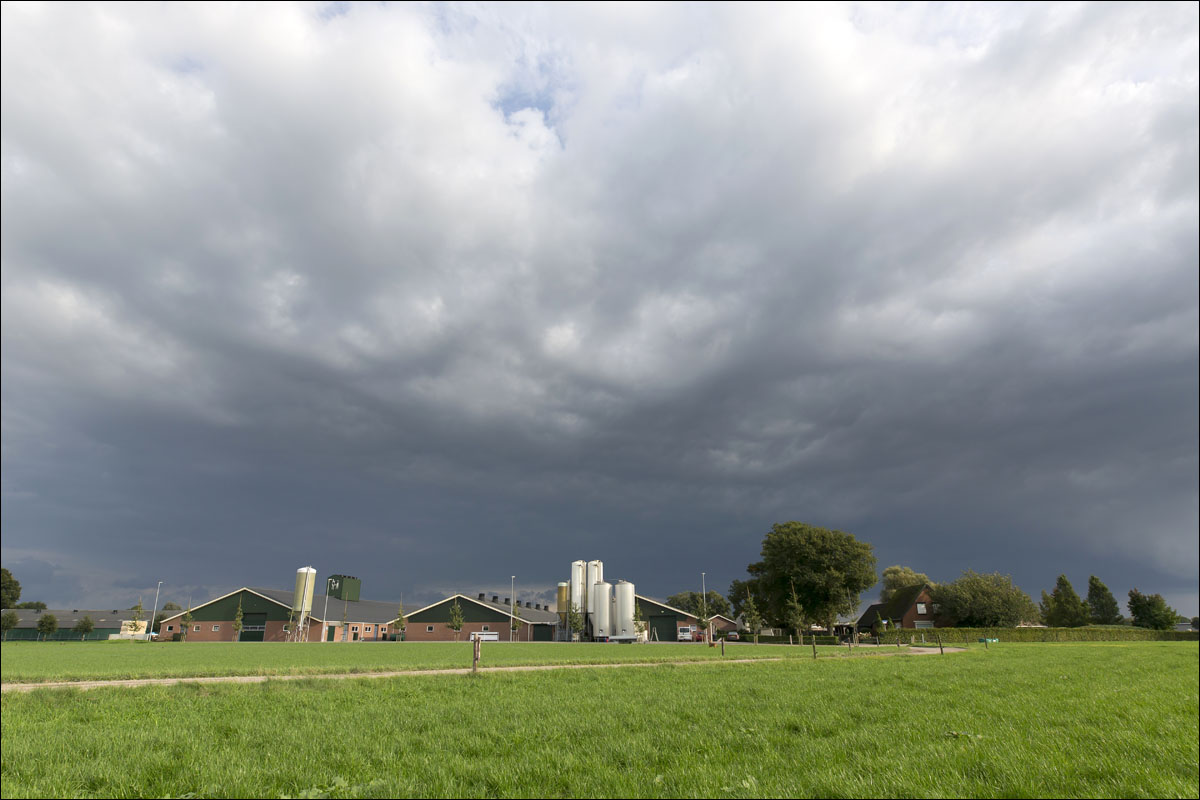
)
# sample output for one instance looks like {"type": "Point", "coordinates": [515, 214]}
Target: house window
{"type": "Point", "coordinates": [216, 627]}
{"type": "Point", "coordinates": [353, 627]}
{"type": "Point", "coordinates": [485, 627]}
{"type": "Point", "coordinates": [429, 629]}
{"type": "Point", "coordinates": [170, 627]}
{"type": "Point", "coordinates": [924, 623]}
{"type": "Point", "coordinates": [921, 608]}
{"type": "Point", "coordinates": [196, 628]}
{"type": "Point", "coordinates": [367, 628]}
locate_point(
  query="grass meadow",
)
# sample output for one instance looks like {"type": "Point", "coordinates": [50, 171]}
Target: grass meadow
{"type": "Point", "coordinates": [34, 662]}
{"type": "Point", "coordinates": [1028, 720]}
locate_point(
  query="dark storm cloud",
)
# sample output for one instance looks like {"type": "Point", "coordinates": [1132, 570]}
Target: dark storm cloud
{"type": "Point", "coordinates": [436, 300]}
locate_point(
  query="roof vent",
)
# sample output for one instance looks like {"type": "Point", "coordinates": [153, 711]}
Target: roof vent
{"type": "Point", "coordinates": [495, 598]}
{"type": "Point", "coordinates": [482, 595]}
{"type": "Point", "coordinates": [74, 610]}
{"type": "Point", "coordinates": [537, 606]}
{"type": "Point", "coordinates": [506, 601]}
{"type": "Point", "coordinates": [528, 604]}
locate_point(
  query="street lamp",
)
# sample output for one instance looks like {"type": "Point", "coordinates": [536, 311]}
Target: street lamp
{"type": "Point", "coordinates": [150, 635]}
{"type": "Point", "coordinates": [512, 608]}
{"type": "Point", "coordinates": [325, 614]}
{"type": "Point", "coordinates": [704, 608]}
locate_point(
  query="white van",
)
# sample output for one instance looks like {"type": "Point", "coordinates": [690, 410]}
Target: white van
{"type": "Point", "coordinates": [686, 634]}
{"type": "Point", "coordinates": [485, 636]}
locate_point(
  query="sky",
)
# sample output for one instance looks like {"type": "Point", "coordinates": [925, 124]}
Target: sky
{"type": "Point", "coordinates": [440, 295]}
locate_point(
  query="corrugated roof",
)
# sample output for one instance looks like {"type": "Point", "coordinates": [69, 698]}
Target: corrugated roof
{"type": "Point", "coordinates": [106, 618]}
{"type": "Point", "coordinates": [355, 610]}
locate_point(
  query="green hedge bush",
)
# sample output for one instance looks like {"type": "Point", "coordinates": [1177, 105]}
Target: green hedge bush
{"type": "Point", "coordinates": [1086, 634]}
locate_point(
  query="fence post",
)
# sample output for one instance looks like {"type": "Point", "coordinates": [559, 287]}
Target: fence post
{"type": "Point", "coordinates": [722, 647]}
{"type": "Point", "coordinates": [475, 659]}
{"type": "Point", "coordinates": [939, 641]}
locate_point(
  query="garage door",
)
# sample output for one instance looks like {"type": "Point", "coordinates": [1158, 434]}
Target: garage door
{"type": "Point", "coordinates": [663, 629]}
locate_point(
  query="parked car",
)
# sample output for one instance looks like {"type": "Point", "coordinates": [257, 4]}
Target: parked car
{"type": "Point", "coordinates": [686, 633]}
{"type": "Point", "coordinates": [733, 636]}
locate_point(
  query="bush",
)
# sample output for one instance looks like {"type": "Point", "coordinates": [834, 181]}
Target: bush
{"type": "Point", "coordinates": [1088, 634]}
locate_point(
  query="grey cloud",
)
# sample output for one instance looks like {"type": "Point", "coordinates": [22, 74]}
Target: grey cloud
{"type": "Point", "coordinates": [305, 287]}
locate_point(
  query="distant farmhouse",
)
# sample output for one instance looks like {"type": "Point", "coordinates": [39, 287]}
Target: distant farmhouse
{"type": "Point", "coordinates": [908, 608]}
{"type": "Point", "coordinates": [107, 624]}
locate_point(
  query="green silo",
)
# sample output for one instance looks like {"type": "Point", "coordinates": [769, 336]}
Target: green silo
{"type": "Point", "coordinates": [344, 587]}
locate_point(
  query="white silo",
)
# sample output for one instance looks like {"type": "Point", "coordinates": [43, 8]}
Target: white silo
{"type": "Point", "coordinates": [595, 574]}
{"type": "Point", "coordinates": [602, 609]}
{"type": "Point", "coordinates": [306, 581]}
{"type": "Point", "coordinates": [578, 568]}
{"type": "Point", "coordinates": [623, 609]}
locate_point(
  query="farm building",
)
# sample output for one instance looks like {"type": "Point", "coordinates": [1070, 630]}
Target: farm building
{"type": "Point", "coordinates": [106, 622]}
{"type": "Point", "coordinates": [267, 612]}
{"type": "Point", "coordinates": [663, 621]}
{"type": "Point", "coordinates": [535, 622]}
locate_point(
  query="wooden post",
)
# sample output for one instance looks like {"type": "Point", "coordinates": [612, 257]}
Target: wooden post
{"type": "Point", "coordinates": [814, 644]}
{"type": "Point", "coordinates": [897, 638]}
{"type": "Point", "coordinates": [475, 660]}
{"type": "Point", "coordinates": [939, 641]}
{"type": "Point", "coordinates": [985, 643]}
{"type": "Point", "coordinates": [722, 647]}
{"type": "Point", "coordinates": [789, 639]}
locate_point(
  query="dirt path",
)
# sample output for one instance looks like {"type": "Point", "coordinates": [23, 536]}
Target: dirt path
{"type": "Point", "coordinates": [29, 687]}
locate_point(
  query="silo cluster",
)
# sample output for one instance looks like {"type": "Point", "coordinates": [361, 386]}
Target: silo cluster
{"type": "Point", "coordinates": [607, 614]}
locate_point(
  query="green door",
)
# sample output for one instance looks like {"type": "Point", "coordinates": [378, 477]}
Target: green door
{"type": "Point", "coordinates": [251, 636]}
{"type": "Point", "coordinates": [329, 631]}
{"type": "Point", "coordinates": [663, 629]}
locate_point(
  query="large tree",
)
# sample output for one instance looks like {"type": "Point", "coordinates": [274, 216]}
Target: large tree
{"type": "Point", "coordinates": [32, 605]}
{"type": "Point", "coordinates": [692, 603]}
{"type": "Point", "coordinates": [1102, 606]}
{"type": "Point", "coordinates": [896, 577]}
{"type": "Point", "coordinates": [827, 570]}
{"type": "Point", "coordinates": [984, 601]}
{"type": "Point", "coordinates": [1151, 611]}
{"type": "Point", "coordinates": [740, 590]}
{"type": "Point", "coordinates": [1063, 608]}
{"type": "Point", "coordinates": [10, 589]}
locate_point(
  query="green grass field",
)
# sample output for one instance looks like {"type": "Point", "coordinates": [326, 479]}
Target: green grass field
{"type": "Point", "coordinates": [33, 662]}
{"type": "Point", "coordinates": [1031, 720]}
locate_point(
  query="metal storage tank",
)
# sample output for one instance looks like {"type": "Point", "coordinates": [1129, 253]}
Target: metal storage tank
{"type": "Point", "coordinates": [561, 604]}
{"type": "Point", "coordinates": [622, 622]}
{"type": "Point", "coordinates": [306, 581]}
{"type": "Point", "coordinates": [577, 594]}
{"type": "Point", "coordinates": [595, 574]}
{"type": "Point", "coordinates": [602, 609]}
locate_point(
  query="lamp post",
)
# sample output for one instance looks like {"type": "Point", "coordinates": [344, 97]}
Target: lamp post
{"type": "Point", "coordinates": [704, 608]}
{"type": "Point", "coordinates": [325, 613]}
{"type": "Point", "coordinates": [512, 608]}
{"type": "Point", "coordinates": [150, 635]}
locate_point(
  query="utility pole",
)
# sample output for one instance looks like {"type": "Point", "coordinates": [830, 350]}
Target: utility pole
{"type": "Point", "coordinates": [704, 608]}
{"type": "Point", "coordinates": [150, 628]}
{"type": "Point", "coordinates": [512, 608]}
{"type": "Point", "coordinates": [325, 613]}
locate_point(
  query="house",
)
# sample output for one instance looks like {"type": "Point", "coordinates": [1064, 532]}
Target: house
{"type": "Point", "coordinates": [723, 624]}
{"type": "Point", "coordinates": [911, 607]}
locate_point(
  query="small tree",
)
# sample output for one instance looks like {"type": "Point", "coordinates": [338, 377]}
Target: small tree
{"type": "Point", "coordinates": [793, 614]}
{"type": "Point", "coordinates": [185, 624]}
{"type": "Point", "coordinates": [751, 617]}
{"type": "Point", "coordinates": [897, 577]}
{"type": "Point", "coordinates": [83, 627]}
{"type": "Point", "coordinates": [136, 615]}
{"type": "Point", "coordinates": [1151, 611]}
{"type": "Point", "coordinates": [1102, 606]}
{"type": "Point", "coordinates": [456, 619]}
{"type": "Point", "coordinates": [401, 626]}
{"type": "Point", "coordinates": [8, 621]}
{"type": "Point", "coordinates": [574, 621]}
{"type": "Point", "coordinates": [639, 620]}
{"type": "Point", "coordinates": [237, 622]}
{"type": "Point", "coordinates": [47, 624]}
{"type": "Point", "coordinates": [515, 622]}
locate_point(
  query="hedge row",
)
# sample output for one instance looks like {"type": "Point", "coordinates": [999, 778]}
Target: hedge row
{"type": "Point", "coordinates": [1124, 634]}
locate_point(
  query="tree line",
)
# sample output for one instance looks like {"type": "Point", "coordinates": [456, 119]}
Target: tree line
{"type": "Point", "coordinates": [810, 575]}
